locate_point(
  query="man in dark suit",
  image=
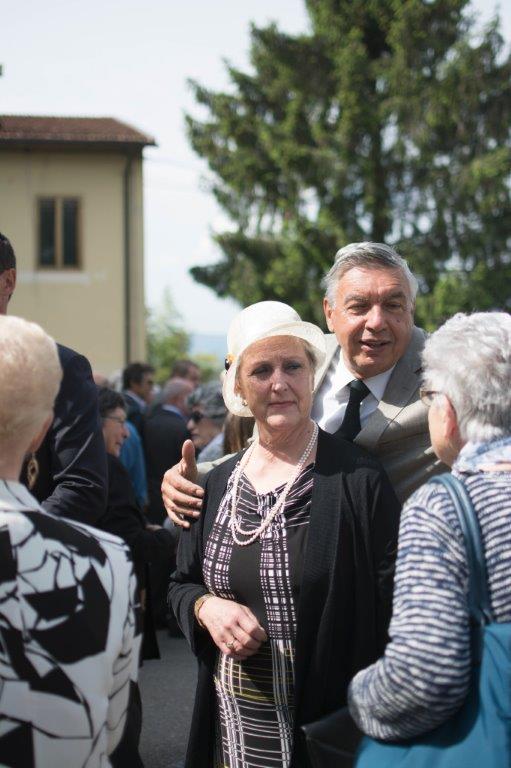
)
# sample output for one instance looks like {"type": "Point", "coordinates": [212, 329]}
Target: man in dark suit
{"type": "Point", "coordinates": [164, 434]}
{"type": "Point", "coordinates": [71, 480]}
{"type": "Point", "coordinates": [138, 386]}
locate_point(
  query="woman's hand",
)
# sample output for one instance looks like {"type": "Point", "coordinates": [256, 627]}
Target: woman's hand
{"type": "Point", "coordinates": [233, 627]}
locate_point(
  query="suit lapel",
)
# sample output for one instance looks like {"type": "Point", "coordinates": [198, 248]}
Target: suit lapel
{"type": "Point", "coordinates": [400, 389]}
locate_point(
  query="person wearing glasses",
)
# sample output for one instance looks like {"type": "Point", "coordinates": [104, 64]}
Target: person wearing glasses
{"type": "Point", "coordinates": [148, 543]}
{"type": "Point", "coordinates": [123, 516]}
{"type": "Point", "coordinates": [206, 421]}
{"type": "Point", "coordinates": [423, 677]}
{"type": "Point", "coordinates": [283, 587]}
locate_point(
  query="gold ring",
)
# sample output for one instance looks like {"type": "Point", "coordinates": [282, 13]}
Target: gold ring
{"type": "Point", "coordinates": [231, 644]}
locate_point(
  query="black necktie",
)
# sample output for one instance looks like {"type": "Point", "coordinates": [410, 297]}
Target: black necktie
{"type": "Point", "coordinates": [350, 426]}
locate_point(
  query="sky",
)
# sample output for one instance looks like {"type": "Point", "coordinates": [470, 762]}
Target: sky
{"type": "Point", "coordinates": [131, 60]}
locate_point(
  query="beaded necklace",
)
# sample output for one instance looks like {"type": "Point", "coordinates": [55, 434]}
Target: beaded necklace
{"type": "Point", "coordinates": [235, 525]}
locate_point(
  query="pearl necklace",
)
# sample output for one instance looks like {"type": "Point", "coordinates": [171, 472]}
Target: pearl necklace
{"type": "Point", "coordinates": [279, 504]}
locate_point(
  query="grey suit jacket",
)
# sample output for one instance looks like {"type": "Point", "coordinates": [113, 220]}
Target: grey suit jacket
{"type": "Point", "coordinates": [397, 431]}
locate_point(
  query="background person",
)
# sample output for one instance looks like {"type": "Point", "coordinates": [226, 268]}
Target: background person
{"type": "Point", "coordinates": [165, 431]}
{"type": "Point", "coordinates": [68, 612]}
{"type": "Point", "coordinates": [206, 421]}
{"type": "Point", "coordinates": [283, 587]}
{"type": "Point", "coordinates": [423, 677]}
{"type": "Point", "coordinates": [133, 458]}
{"type": "Point", "coordinates": [187, 370]}
{"type": "Point", "coordinates": [138, 390]}
{"type": "Point", "coordinates": [148, 543]}
{"type": "Point", "coordinates": [71, 460]}
{"type": "Point", "coordinates": [368, 387]}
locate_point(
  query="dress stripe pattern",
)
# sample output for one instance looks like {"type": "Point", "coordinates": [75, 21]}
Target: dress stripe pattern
{"type": "Point", "coordinates": [255, 696]}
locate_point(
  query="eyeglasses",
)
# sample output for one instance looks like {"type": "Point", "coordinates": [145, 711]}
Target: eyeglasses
{"type": "Point", "coordinates": [118, 419]}
{"type": "Point", "coordinates": [196, 416]}
{"type": "Point", "coordinates": [427, 396]}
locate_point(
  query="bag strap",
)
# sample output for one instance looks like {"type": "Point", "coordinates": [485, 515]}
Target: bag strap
{"type": "Point", "coordinates": [478, 595]}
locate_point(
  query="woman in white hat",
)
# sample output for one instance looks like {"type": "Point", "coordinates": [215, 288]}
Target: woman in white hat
{"type": "Point", "coordinates": [283, 585]}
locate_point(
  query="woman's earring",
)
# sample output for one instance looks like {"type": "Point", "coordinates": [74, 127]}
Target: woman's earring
{"type": "Point", "coordinates": [32, 471]}
{"type": "Point", "coordinates": [244, 402]}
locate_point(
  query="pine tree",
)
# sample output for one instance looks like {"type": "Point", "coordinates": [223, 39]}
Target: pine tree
{"type": "Point", "coordinates": [388, 121]}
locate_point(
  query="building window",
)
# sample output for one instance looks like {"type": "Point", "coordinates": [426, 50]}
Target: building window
{"type": "Point", "coordinates": [59, 219]}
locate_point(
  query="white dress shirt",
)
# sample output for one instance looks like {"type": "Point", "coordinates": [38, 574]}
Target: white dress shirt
{"type": "Point", "coordinates": [332, 397]}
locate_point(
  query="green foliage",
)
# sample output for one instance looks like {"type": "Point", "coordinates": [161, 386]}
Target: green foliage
{"type": "Point", "coordinates": [389, 121]}
{"type": "Point", "coordinates": [166, 339]}
{"type": "Point", "coordinates": [209, 366]}
{"type": "Point", "coordinates": [167, 342]}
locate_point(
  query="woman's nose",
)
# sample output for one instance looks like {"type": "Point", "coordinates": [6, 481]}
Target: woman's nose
{"type": "Point", "coordinates": [279, 380]}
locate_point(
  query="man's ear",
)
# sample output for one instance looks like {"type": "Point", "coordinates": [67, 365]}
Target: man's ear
{"type": "Point", "coordinates": [327, 309]}
{"type": "Point", "coordinates": [38, 439]}
{"type": "Point", "coordinates": [10, 281]}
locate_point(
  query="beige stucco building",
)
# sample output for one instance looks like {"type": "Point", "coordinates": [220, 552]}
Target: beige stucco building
{"type": "Point", "coordinates": [71, 204]}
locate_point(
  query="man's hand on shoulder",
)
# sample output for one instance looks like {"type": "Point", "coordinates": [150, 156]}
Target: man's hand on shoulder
{"type": "Point", "coordinates": [181, 495]}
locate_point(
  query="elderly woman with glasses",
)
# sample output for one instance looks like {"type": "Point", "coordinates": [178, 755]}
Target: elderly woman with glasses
{"type": "Point", "coordinates": [424, 675]}
{"type": "Point", "coordinates": [283, 585]}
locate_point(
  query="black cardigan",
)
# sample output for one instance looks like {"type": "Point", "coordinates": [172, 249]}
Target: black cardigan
{"type": "Point", "coordinates": [345, 596]}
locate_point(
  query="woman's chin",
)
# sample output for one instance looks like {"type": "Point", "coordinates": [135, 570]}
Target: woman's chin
{"type": "Point", "coordinates": [283, 421]}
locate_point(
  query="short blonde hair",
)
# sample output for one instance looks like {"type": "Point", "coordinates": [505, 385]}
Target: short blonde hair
{"type": "Point", "coordinates": [30, 376]}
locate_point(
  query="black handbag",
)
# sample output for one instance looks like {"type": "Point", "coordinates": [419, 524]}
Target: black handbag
{"type": "Point", "coordinates": [332, 742]}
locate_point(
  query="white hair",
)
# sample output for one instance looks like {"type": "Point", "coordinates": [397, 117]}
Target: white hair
{"type": "Point", "coordinates": [30, 376]}
{"type": "Point", "coordinates": [369, 256]}
{"type": "Point", "coordinates": [468, 359]}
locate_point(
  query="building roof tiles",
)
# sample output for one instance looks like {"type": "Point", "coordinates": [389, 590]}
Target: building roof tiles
{"type": "Point", "coordinates": [29, 129]}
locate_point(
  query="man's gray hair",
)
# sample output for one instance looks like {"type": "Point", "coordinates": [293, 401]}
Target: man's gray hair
{"type": "Point", "coordinates": [174, 389]}
{"type": "Point", "coordinates": [369, 256]}
{"type": "Point", "coordinates": [468, 359]}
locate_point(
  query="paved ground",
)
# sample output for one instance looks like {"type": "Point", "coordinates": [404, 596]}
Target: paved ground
{"type": "Point", "coordinates": [168, 688]}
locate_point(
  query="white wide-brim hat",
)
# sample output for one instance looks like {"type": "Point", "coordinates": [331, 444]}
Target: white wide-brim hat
{"type": "Point", "coordinates": [262, 321]}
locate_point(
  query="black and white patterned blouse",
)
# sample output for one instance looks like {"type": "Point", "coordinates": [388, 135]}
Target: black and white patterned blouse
{"type": "Point", "coordinates": [424, 675]}
{"type": "Point", "coordinates": [255, 697]}
{"type": "Point", "coordinates": [69, 637]}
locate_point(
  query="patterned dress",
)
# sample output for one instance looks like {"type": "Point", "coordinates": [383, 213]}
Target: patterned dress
{"type": "Point", "coordinates": [255, 696]}
{"type": "Point", "coordinates": [69, 637]}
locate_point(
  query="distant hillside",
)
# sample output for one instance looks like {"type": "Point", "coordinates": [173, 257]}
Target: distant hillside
{"type": "Point", "coordinates": [208, 344]}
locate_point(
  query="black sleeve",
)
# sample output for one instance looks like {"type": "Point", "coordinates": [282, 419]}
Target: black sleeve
{"type": "Point", "coordinates": [187, 584]}
{"type": "Point", "coordinates": [384, 528]}
{"type": "Point", "coordinates": [124, 518]}
{"type": "Point", "coordinates": [76, 446]}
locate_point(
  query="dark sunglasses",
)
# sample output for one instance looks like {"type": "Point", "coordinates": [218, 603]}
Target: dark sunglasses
{"type": "Point", "coordinates": [196, 416]}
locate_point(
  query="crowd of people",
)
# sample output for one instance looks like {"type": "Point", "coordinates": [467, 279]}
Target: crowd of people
{"type": "Point", "coordinates": [303, 585]}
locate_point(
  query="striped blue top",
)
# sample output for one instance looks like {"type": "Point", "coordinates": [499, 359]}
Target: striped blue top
{"type": "Point", "coordinates": [423, 677]}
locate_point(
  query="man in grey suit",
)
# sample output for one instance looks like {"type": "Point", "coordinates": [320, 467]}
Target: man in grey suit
{"type": "Point", "coordinates": [368, 389]}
